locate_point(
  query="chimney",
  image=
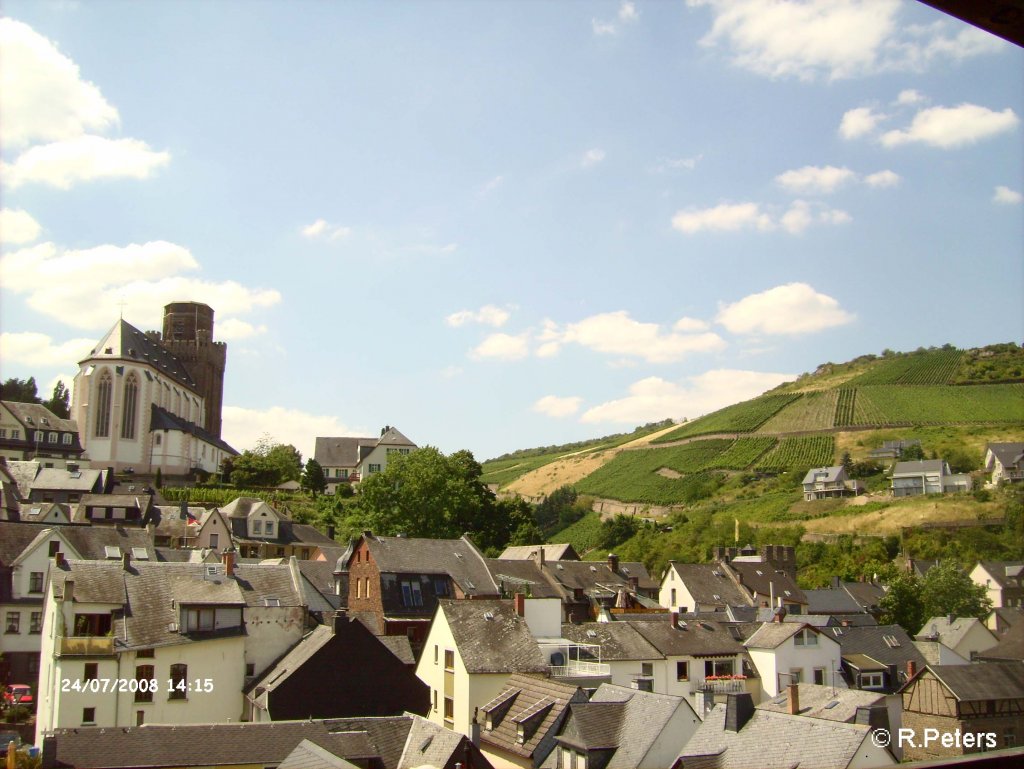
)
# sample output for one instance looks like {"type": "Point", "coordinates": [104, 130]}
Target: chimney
{"type": "Point", "coordinates": [835, 582]}
{"type": "Point", "coordinates": [474, 729]}
{"type": "Point", "coordinates": [634, 584]}
{"type": "Point", "coordinates": [519, 601]}
{"type": "Point", "coordinates": [338, 621]}
{"type": "Point", "coordinates": [778, 616]}
{"type": "Point", "coordinates": [794, 699]}
{"type": "Point", "coordinates": [228, 559]}
{"type": "Point", "coordinates": [951, 618]}
{"type": "Point", "coordinates": [126, 560]}
{"type": "Point", "coordinates": [58, 559]}
{"type": "Point", "coordinates": [738, 710]}
{"type": "Point", "coordinates": [911, 669]}
{"type": "Point", "coordinates": [539, 556]}
{"type": "Point", "coordinates": [613, 563]}
{"type": "Point", "coordinates": [674, 619]}
{"type": "Point", "coordinates": [69, 590]}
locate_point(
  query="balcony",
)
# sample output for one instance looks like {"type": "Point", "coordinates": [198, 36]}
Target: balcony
{"type": "Point", "coordinates": [574, 660]}
{"type": "Point", "coordinates": [581, 669]}
{"type": "Point", "coordinates": [719, 686]}
{"type": "Point", "coordinates": [85, 646]}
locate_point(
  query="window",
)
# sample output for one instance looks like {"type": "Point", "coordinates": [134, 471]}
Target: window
{"type": "Point", "coordinates": [202, 618]}
{"type": "Point", "coordinates": [718, 668]}
{"type": "Point", "coordinates": [796, 675]}
{"type": "Point", "coordinates": [103, 393]}
{"type": "Point", "coordinates": [35, 582]}
{"type": "Point", "coordinates": [88, 716]}
{"type": "Point", "coordinates": [647, 669]}
{"type": "Point", "coordinates": [449, 711]}
{"type": "Point", "coordinates": [366, 588]}
{"type": "Point", "coordinates": [145, 691]}
{"type": "Point", "coordinates": [214, 540]}
{"type": "Point", "coordinates": [435, 655]}
{"type": "Point", "coordinates": [257, 527]}
{"type": "Point", "coordinates": [434, 700]}
{"type": "Point", "coordinates": [1009, 737]}
{"type": "Point", "coordinates": [15, 434]}
{"type": "Point", "coordinates": [91, 671]}
{"type": "Point", "coordinates": [140, 717]}
{"type": "Point", "coordinates": [13, 623]}
{"type": "Point", "coordinates": [178, 681]}
{"type": "Point", "coordinates": [359, 588]}
{"type": "Point", "coordinates": [819, 676]}
{"type": "Point", "coordinates": [374, 468]}
{"type": "Point", "coordinates": [871, 681]}
{"type": "Point", "coordinates": [51, 437]}
{"type": "Point", "coordinates": [449, 659]}
{"type": "Point", "coordinates": [3, 432]}
{"type": "Point", "coordinates": [145, 654]}
{"type": "Point", "coordinates": [806, 637]}
{"type": "Point", "coordinates": [54, 548]}
{"type": "Point", "coordinates": [35, 625]}
{"type": "Point", "coordinates": [411, 595]}
{"type": "Point", "coordinates": [672, 600]}
{"type": "Point", "coordinates": [156, 439]}
{"type": "Point", "coordinates": [67, 439]}
{"type": "Point", "coordinates": [440, 587]}
{"type": "Point", "coordinates": [269, 528]}
{"type": "Point", "coordinates": [129, 407]}
{"type": "Point", "coordinates": [683, 671]}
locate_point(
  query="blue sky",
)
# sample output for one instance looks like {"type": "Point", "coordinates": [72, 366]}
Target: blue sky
{"type": "Point", "coordinates": [498, 225]}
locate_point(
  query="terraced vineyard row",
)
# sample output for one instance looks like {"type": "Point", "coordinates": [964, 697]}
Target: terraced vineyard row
{"type": "Point", "coordinates": [738, 418]}
{"type": "Point", "coordinates": [811, 411]}
{"type": "Point", "coordinates": [688, 458]}
{"type": "Point", "coordinates": [799, 453]}
{"type": "Point", "coordinates": [648, 488]}
{"type": "Point", "coordinates": [922, 368]}
{"type": "Point", "coordinates": [938, 405]}
{"type": "Point", "coordinates": [846, 402]}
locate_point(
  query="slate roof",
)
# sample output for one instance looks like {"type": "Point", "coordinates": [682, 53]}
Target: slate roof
{"type": "Point", "coordinates": [126, 342]}
{"type": "Point", "coordinates": [309, 755]}
{"type": "Point", "coordinates": [38, 512]}
{"type": "Point", "coordinates": [706, 580]}
{"type": "Point", "coordinates": [1010, 646]}
{"type": "Point", "coordinates": [429, 744]}
{"type": "Point", "coordinates": [89, 542]}
{"type": "Point", "coordinates": [162, 419]}
{"type": "Point", "coordinates": [773, 741]}
{"type": "Point", "coordinates": [520, 696]}
{"type": "Point", "coordinates": [36, 413]}
{"type": "Point", "coordinates": [559, 552]}
{"type": "Point", "coordinates": [400, 646]}
{"type": "Point", "coordinates": [1001, 571]}
{"type": "Point", "coordinates": [771, 635]}
{"type": "Point", "coordinates": [889, 644]}
{"type": "Point", "coordinates": [296, 657]}
{"type": "Point", "coordinates": [828, 702]}
{"type": "Point", "coordinates": [695, 639]}
{"type": "Point", "coordinates": [521, 576]}
{"type": "Point", "coordinates": [984, 681]}
{"type": "Point", "coordinates": [919, 466]}
{"type": "Point", "coordinates": [823, 474]}
{"type": "Point", "coordinates": [831, 601]}
{"type": "Point", "coordinates": [950, 633]}
{"type": "Point", "coordinates": [1008, 454]}
{"type": "Point", "coordinates": [457, 558]}
{"type": "Point", "coordinates": [59, 479]}
{"type": "Point", "coordinates": [393, 437]}
{"type": "Point", "coordinates": [356, 739]}
{"type": "Point", "coordinates": [24, 473]}
{"type": "Point", "coordinates": [766, 581]}
{"type": "Point", "coordinates": [619, 641]}
{"type": "Point", "coordinates": [502, 644]}
{"type": "Point", "coordinates": [867, 594]}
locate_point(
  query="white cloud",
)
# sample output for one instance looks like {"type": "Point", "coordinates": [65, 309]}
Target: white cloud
{"type": "Point", "coordinates": [951, 127]}
{"type": "Point", "coordinates": [798, 218]}
{"type": "Point", "coordinates": [17, 227]}
{"type": "Point", "coordinates": [1006, 196]}
{"type": "Point", "coordinates": [833, 39]}
{"type": "Point", "coordinates": [794, 308]}
{"type": "Point", "coordinates": [232, 329]}
{"type": "Point", "coordinates": [321, 229]}
{"type": "Point", "coordinates": [616, 333]}
{"type": "Point", "coordinates": [84, 158]}
{"type": "Point", "coordinates": [45, 98]}
{"type": "Point", "coordinates": [488, 315]}
{"type": "Point", "coordinates": [724, 217]}
{"type": "Point", "coordinates": [859, 122]}
{"type": "Point", "coordinates": [95, 281]}
{"type": "Point", "coordinates": [691, 324]}
{"type": "Point", "coordinates": [553, 406]}
{"type": "Point", "coordinates": [654, 398]}
{"type": "Point", "coordinates": [243, 427]}
{"type": "Point", "coordinates": [882, 179]}
{"type": "Point", "coordinates": [667, 165]}
{"type": "Point", "coordinates": [592, 157]}
{"type": "Point", "coordinates": [815, 179]}
{"type": "Point", "coordinates": [628, 12]}
{"type": "Point", "coordinates": [602, 28]}
{"type": "Point", "coordinates": [548, 350]}
{"type": "Point", "coordinates": [502, 347]}
{"type": "Point", "coordinates": [909, 96]}
{"type": "Point", "coordinates": [30, 348]}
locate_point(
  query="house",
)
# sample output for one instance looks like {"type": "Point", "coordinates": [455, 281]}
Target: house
{"type": "Point", "coordinates": [1005, 461]}
{"type": "Point", "coordinates": [400, 580]}
{"type": "Point", "coordinates": [397, 742]}
{"type": "Point", "coordinates": [98, 509]}
{"type": "Point", "coordinates": [1009, 649]}
{"type": "Point", "coordinates": [257, 530]}
{"type": "Point", "coordinates": [1003, 582]}
{"type": "Point", "coordinates": [827, 702]}
{"type": "Point", "coordinates": [984, 702]}
{"type": "Point", "coordinates": [10, 496]}
{"type": "Point", "coordinates": [471, 650]}
{"type": "Point", "coordinates": [562, 552]}
{"type": "Point", "coordinates": [697, 587]}
{"type": "Point", "coordinates": [927, 476]}
{"type": "Point", "coordinates": [736, 735]}
{"type": "Point", "coordinates": [622, 728]}
{"type": "Point", "coordinates": [846, 599]}
{"type": "Point", "coordinates": [145, 402]}
{"type": "Point", "coordinates": [1003, 618]}
{"type": "Point", "coordinates": [893, 449]}
{"type": "Point", "coordinates": [338, 670]}
{"type": "Point", "coordinates": [66, 485]}
{"type": "Point", "coordinates": [878, 658]}
{"type": "Point", "coordinates": [967, 636]}
{"type": "Point", "coordinates": [347, 460]}
{"type": "Point", "coordinates": [199, 631]}
{"type": "Point", "coordinates": [793, 652]}
{"type": "Point", "coordinates": [829, 482]}
{"type": "Point", "coordinates": [32, 431]}
{"type": "Point", "coordinates": [518, 727]}
{"type": "Point", "coordinates": [620, 652]}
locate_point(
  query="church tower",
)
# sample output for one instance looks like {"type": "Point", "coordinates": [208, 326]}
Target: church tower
{"type": "Point", "coordinates": [188, 334]}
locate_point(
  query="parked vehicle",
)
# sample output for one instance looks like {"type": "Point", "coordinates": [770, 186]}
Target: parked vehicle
{"type": "Point", "coordinates": [18, 694]}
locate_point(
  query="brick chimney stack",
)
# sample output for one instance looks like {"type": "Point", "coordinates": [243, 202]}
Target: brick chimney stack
{"type": "Point", "coordinates": [794, 699]}
{"type": "Point", "coordinates": [228, 559]}
{"type": "Point", "coordinates": [911, 669]}
{"type": "Point", "coordinates": [613, 563]}
{"type": "Point", "coordinates": [519, 601]}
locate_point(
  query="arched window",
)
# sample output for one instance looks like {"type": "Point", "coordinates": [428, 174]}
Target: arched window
{"type": "Point", "coordinates": [130, 406]}
{"type": "Point", "coordinates": [104, 390]}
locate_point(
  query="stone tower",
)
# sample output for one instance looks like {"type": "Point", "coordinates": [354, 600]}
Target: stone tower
{"type": "Point", "coordinates": [188, 334]}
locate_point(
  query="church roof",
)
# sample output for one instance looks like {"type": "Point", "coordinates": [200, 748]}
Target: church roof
{"type": "Point", "coordinates": [125, 342]}
{"type": "Point", "coordinates": [162, 419]}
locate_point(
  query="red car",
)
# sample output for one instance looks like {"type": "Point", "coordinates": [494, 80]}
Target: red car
{"type": "Point", "coordinates": [19, 694]}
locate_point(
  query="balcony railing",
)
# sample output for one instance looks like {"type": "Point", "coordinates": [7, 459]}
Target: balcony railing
{"type": "Point", "coordinates": [720, 686]}
{"type": "Point", "coordinates": [581, 669]}
{"type": "Point", "coordinates": [86, 646]}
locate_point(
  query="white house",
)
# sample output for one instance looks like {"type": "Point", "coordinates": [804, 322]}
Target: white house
{"type": "Point", "coordinates": [828, 482]}
{"type": "Point", "coordinates": [927, 476]}
{"type": "Point", "coordinates": [1003, 582]}
{"type": "Point", "coordinates": [348, 459]}
{"type": "Point", "coordinates": [967, 636]}
{"type": "Point", "coordinates": [793, 652]}
{"type": "Point", "coordinates": [1005, 461]}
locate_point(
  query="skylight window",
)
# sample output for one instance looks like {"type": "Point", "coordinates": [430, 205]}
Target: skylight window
{"type": "Point", "coordinates": [112, 551]}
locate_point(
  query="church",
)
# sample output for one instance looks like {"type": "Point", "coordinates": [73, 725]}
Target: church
{"type": "Point", "coordinates": [150, 401]}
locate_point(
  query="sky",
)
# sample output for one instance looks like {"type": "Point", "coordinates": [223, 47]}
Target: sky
{"type": "Point", "coordinates": [498, 225]}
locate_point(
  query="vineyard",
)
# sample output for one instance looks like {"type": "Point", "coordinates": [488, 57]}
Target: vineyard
{"type": "Point", "coordinates": [502, 471]}
{"type": "Point", "coordinates": [811, 411]}
{"type": "Point", "coordinates": [937, 405]}
{"type": "Point", "coordinates": [846, 407]}
{"type": "Point", "coordinates": [801, 453]}
{"type": "Point", "coordinates": [740, 418]}
{"type": "Point", "coordinates": [625, 485]}
{"type": "Point", "coordinates": [927, 367]}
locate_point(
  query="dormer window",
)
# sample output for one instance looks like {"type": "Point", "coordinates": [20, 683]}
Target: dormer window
{"type": "Point", "coordinates": [806, 637]}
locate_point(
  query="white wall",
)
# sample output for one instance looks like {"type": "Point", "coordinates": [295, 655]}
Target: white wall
{"type": "Point", "coordinates": [772, 663]}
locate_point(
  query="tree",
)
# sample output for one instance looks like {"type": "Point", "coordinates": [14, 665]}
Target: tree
{"type": "Point", "coordinates": [59, 403]}
{"type": "Point", "coordinates": [847, 463]}
{"type": "Point", "coordinates": [268, 464]}
{"type": "Point", "coordinates": [313, 479]}
{"type": "Point", "coordinates": [19, 390]}
{"type": "Point", "coordinates": [912, 452]}
{"type": "Point", "coordinates": [946, 589]}
{"type": "Point", "coordinates": [902, 604]}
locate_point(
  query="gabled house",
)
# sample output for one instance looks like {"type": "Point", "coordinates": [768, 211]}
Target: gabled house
{"type": "Point", "coordinates": [879, 658]}
{"type": "Point", "coordinates": [399, 580]}
{"type": "Point", "coordinates": [893, 449]}
{"type": "Point", "coordinates": [967, 636]}
{"type": "Point", "coordinates": [98, 509]}
{"type": "Point", "coordinates": [829, 482]}
{"type": "Point", "coordinates": [699, 587]}
{"type": "Point", "coordinates": [793, 652]}
{"type": "Point", "coordinates": [518, 727]}
{"type": "Point", "coordinates": [257, 530]}
{"type": "Point", "coordinates": [32, 431]}
{"type": "Point", "coordinates": [927, 476]}
{"type": "Point", "coordinates": [348, 459]}
{"type": "Point", "coordinates": [1003, 582]}
{"type": "Point", "coordinates": [1009, 649]}
{"type": "Point", "coordinates": [470, 652]}
{"type": "Point", "coordinates": [622, 728]}
{"type": "Point", "coordinates": [736, 735]}
{"type": "Point", "coordinates": [66, 485]}
{"type": "Point", "coordinates": [561, 552]}
{"type": "Point", "coordinates": [1005, 461]}
{"type": "Point", "coordinates": [984, 702]}
{"type": "Point", "coordinates": [1003, 618]}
